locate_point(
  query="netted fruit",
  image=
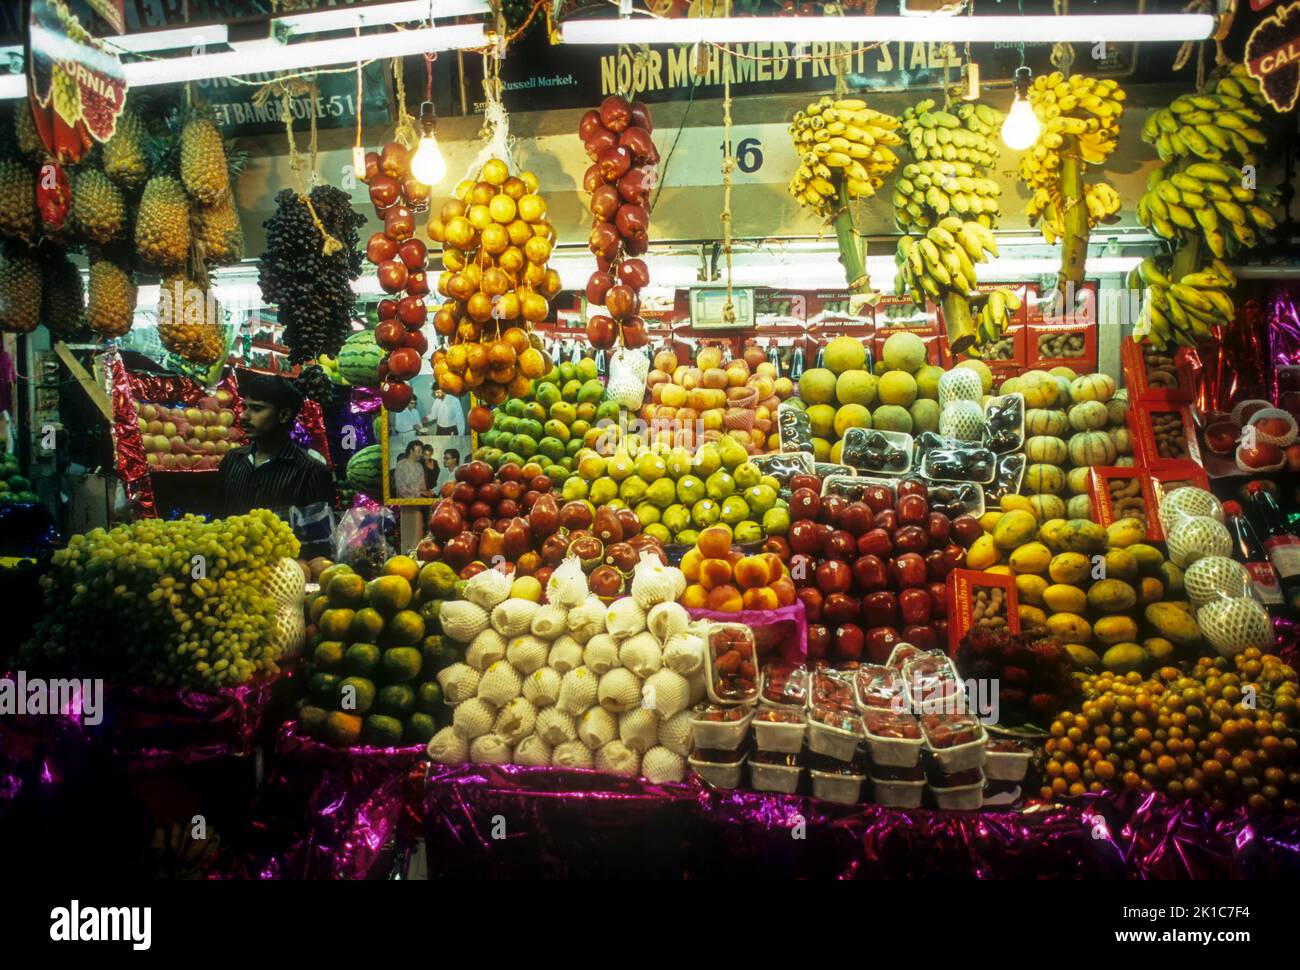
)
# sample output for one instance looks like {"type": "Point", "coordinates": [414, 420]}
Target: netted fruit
{"type": "Point", "coordinates": [124, 158]}
{"type": "Point", "coordinates": [98, 211]}
{"type": "Point", "coordinates": [20, 293]}
{"type": "Point", "coordinates": [110, 307]}
{"type": "Point", "coordinates": [162, 226]}
{"type": "Point", "coordinates": [17, 200]}
{"type": "Point", "coordinates": [203, 162]}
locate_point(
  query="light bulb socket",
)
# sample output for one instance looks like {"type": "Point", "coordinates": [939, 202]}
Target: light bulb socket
{"type": "Point", "coordinates": [1024, 77]}
{"type": "Point", "coordinates": [427, 118]}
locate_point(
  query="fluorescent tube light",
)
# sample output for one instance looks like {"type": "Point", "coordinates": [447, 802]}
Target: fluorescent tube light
{"type": "Point", "coordinates": [204, 35]}
{"type": "Point", "coordinates": [975, 30]}
{"type": "Point", "coordinates": [349, 18]}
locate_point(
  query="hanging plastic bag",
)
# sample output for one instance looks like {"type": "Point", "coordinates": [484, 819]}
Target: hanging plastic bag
{"type": "Point", "coordinates": [627, 374]}
{"type": "Point", "coordinates": [361, 539]}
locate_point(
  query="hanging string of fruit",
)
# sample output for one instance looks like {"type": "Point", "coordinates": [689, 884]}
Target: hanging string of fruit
{"type": "Point", "coordinates": [496, 244]}
{"type": "Point", "coordinates": [947, 199]}
{"type": "Point", "coordinates": [620, 180]}
{"type": "Point", "coordinates": [401, 264]}
{"type": "Point", "coordinates": [1080, 119]}
{"type": "Point", "coordinates": [1198, 200]}
{"type": "Point", "coordinates": [844, 154]}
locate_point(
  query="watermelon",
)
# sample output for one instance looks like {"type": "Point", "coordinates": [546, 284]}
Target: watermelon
{"type": "Point", "coordinates": [366, 471]}
{"type": "Point", "coordinates": [359, 359]}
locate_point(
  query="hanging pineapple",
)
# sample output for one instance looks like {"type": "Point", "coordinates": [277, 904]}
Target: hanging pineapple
{"type": "Point", "coordinates": [29, 140]}
{"type": "Point", "coordinates": [98, 211]}
{"type": "Point", "coordinates": [20, 293]}
{"type": "Point", "coordinates": [111, 306]}
{"type": "Point", "coordinates": [162, 226]}
{"type": "Point", "coordinates": [63, 306]}
{"type": "Point", "coordinates": [17, 200]}
{"type": "Point", "coordinates": [190, 321]}
{"type": "Point", "coordinates": [217, 230]}
{"type": "Point", "coordinates": [124, 153]}
{"type": "Point", "coordinates": [203, 162]}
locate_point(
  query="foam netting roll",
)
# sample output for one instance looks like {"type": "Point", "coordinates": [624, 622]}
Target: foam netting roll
{"type": "Point", "coordinates": [474, 718]}
{"type": "Point", "coordinates": [675, 733]}
{"type": "Point", "coordinates": [1197, 537]}
{"type": "Point", "coordinates": [1213, 577]}
{"type": "Point", "coordinates": [1233, 625]}
{"type": "Point", "coordinates": [459, 682]}
{"type": "Point", "coordinates": [624, 618]}
{"type": "Point", "coordinates": [566, 653]}
{"type": "Point", "coordinates": [660, 766]}
{"type": "Point", "coordinates": [550, 622]}
{"type": "Point", "coordinates": [528, 653]}
{"type": "Point", "coordinates": [601, 653]}
{"type": "Point", "coordinates": [667, 620]}
{"type": "Point", "coordinates": [668, 693]}
{"type": "Point", "coordinates": [500, 684]}
{"type": "Point", "coordinates": [485, 650]}
{"type": "Point", "coordinates": [616, 758]}
{"type": "Point", "coordinates": [684, 653]}
{"type": "Point", "coordinates": [489, 589]}
{"type": "Point", "coordinates": [619, 691]}
{"type": "Point", "coordinates": [1187, 502]}
{"type": "Point", "coordinates": [596, 727]}
{"type": "Point", "coordinates": [532, 751]}
{"type": "Point", "coordinates": [462, 621]}
{"type": "Point", "coordinates": [567, 586]}
{"type": "Point", "coordinates": [587, 619]}
{"type": "Point", "coordinates": [488, 749]}
{"type": "Point", "coordinates": [448, 748]}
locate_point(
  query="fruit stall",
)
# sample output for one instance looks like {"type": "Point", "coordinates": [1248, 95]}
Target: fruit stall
{"type": "Point", "coordinates": [798, 444]}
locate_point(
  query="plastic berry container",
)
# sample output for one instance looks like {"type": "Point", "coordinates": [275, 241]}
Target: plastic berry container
{"type": "Point", "coordinates": [893, 738]}
{"type": "Point", "coordinates": [775, 773]}
{"type": "Point", "coordinates": [1006, 761]}
{"type": "Point", "coordinates": [833, 689]}
{"type": "Point", "coordinates": [879, 688]}
{"type": "Point", "coordinates": [718, 774]}
{"type": "Point", "coordinates": [834, 733]}
{"type": "Point", "coordinates": [902, 653]}
{"type": "Point", "coordinates": [720, 727]}
{"type": "Point", "coordinates": [784, 683]}
{"type": "Point", "coordinates": [845, 787]}
{"type": "Point", "coordinates": [956, 742]}
{"type": "Point", "coordinates": [897, 793]}
{"type": "Point", "coordinates": [960, 798]}
{"type": "Point", "coordinates": [779, 729]}
{"type": "Point", "coordinates": [732, 677]}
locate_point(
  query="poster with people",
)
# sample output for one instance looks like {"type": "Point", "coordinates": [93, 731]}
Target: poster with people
{"type": "Point", "coordinates": [424, 444]}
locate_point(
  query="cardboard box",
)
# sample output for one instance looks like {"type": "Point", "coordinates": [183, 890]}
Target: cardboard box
{"type": "Point", "coordinates": [1045, 332]}
{"type": "Point", "coordinates": [1100, 484]}
{"type": "Point", "coordinates": [1135, 360]}
{"type": "Point", "coordinates": [1142, 417]}
{"type": "Point", "coordinates": [964, 589]}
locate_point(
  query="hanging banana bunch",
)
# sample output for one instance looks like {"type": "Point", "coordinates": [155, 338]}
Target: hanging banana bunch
{"type": "Point", "coordinates": [844, 151]}
{"type": "Point", "coordinates": [1182, 311]}
{"type": "Point", "coordinates": [946, 199]}
{"type": "Point", "coordinates": [1204, 140]}
{"type": "Point", "coordinates": [1080, 126]}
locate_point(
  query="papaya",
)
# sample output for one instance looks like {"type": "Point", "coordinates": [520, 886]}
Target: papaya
{"type": "Point", "coordinates": [1174, 622]}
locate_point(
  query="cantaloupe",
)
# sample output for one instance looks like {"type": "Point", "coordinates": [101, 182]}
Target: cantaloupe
{"type": "Point", "coordinates": [1088, 416]}
{"type": "Point", "coordinates": [1092, 387]}
{"type": "Point", "coordinates": [1092, 448]}
{"type": "Point", "coordinates": [1046, 449]}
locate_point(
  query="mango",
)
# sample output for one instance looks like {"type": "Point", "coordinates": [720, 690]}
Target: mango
{"type": "Point", "coordinates": [983, 553]}
{"type": "Point", "coordinates": [1125, 532]}
{"type": "Point", "coordinates": [1150, 590]}
{"type": "Point", "coordinates": [1032, 557]}
{"type": "Point", "coordinates": [1011, 502]}
{"type": "Point", "coordinates": [1125, 657]}
{"type": "Point", "coordinates": [1148, 557]}
{"type": "Point", "coordinates": [1049, 533]}
{"type": "Point", "coordinates": [1172, 577]}
{"type": "Point", "coordinates": [1070, 628]}
{"type": "Point", "coordinates": [1072, 568]}
{"type": "Point", "coordinates": [1174, 622]}
{"type": "Point", "coordinates": [1111, 596]}
{"type": "Point", "coordinates": [1029, 588]}
{"type": "Point", "coordinates": [1081, 535]}
{"type": "Point", "coordinates": [1084, 658]}
{"type": "Point", "coordinates": [1063, 598]}
{"type": "Point", "coordinates": [1031, 616]}
{"type": "Point", "coordinates": [1121, 565]}
{"type": "Point", "coordinates": [989, 521]}
{"type": "Point", "coordinates": [1002, 569]}
{"type": "Point", "coordinates": [1014, 529]}
{"type": "Point", "coordinates": [1159, 649]}
{"type": "Point", "coordinates": [1110, 630]}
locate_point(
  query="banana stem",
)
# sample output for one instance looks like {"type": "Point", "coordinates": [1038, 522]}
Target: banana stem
{"type": "Point", "coordinates": [1187, 258]}
{"type": "Point", "coordinates": [855, 270]}
{"type": "Point", "coordinates": [1074, 244]}
{"type": "Point", "coordinates": [957, 320]}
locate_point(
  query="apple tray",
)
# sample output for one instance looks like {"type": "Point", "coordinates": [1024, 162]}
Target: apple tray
{"type": "Point", "coordinates": [830, 786]}
{"type": "Point", "coordinates": [777, 736]}
{"type": "Point", "coordinates": [718, 775]}
{"type": "Point", "coordinates": [1006, 765]}
{"type": "Point", "coordinates": [778, 778]}
{"type": "Point", "coordinates": [897, 794]}
{"type": "Point", "coordinates": [721, 735]}
{"type": "Point", "coordinates": [961, 798]}
{"type": "Point", "coordinates": [832, 742]}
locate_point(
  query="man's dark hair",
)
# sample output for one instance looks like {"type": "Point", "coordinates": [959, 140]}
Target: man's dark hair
{"type": "Point", "coordinates": [413, 446]}
{"type": "Point", "coordinates": [455, 455]}
{"type": "Point", "coordinates": [428, 449]}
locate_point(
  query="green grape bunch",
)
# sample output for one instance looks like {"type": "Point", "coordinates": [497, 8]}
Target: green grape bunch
{"type": "Point", "coordinates": [178, 604]}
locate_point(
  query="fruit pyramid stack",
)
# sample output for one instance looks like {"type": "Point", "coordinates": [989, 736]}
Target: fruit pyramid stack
{"type": "Point", "coordinates": [574, 683]}
{"type": "Point", "coordinates": [376, 648]}
{"type": "Point", "coordinates": [496, 244]}
{"type": "Point", "coordinates": [564, 413]}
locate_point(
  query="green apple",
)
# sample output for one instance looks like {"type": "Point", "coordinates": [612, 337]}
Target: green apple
{"type": "Point", "coordinates": [776, 521]}
{"type": "Point", "coordinates": [719, 485]}
{"type": "Point", "coordinates": [705, 513]}
{"type": "Point", "coordinates": [749, 531]}
{"type": "Point", "coordinates": [690, 490]}
{"type": "Point", "coordinates": [760, 498]}
{"type": "Point", "coordinates": [747, 475]}
{"type": "Point", "coordinates": [734, 510]}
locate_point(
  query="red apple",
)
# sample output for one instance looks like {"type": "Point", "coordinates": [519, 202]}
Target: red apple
{"type": "Point", "coordinates": [395, 395]}
{"type": "Point", "coordinates": [912, 486]}
{"type": "Point", "coordinates": [912, 509]}
{"type": "Point", "coordinates": [478, 474]}
{"type": "Point", "coordinates": [404, 363]}
{"type": "Point", "coordinates": [870, 573]}
{"type": "Point", "coordinates": [819, 641]}
{"type": "Point", "coordinates": [840, 608]}
{"type": "Point", "coordinates": [417, 283]}
{"type": "Point", "coordinates": [911, 538]}
{"type": "Point", "coordinates": [389, 334]}
{"type": "Point", "coordinates": [937, 564]}
{"type": "Point", "coordinates": [480, 510]}
{"type": "Point", "coordinates": [778, 547]}
{"type": "Point", "coordinates": [413, 253]}
{"type": "Point", "coordinates": [427, 550]}
{"type": "Point", "coordinates": [387, 309]}
{"type": "Point", "coordinates": [834, 576]}
{"type": "Point", "coordinates": [956, 556]}
{"type": "Point", "coordinates": [857, 518]}
{"type": "Point", "coordinates": [908, 571]}
{"type": "Point", "coordinates": [938, 526]}
{"type": "Point", "coordinates": [803, 570]}
{"type": "Point", "coordinates": [940, 628]}
{"type": "Point", "coordinates": [847, 643]}
{"type": "Point", "coordinates": [880, 643]}
{"type": "Point", "coordinates": [966, 529]}
{"type": "Point", "coordinates": [412, 311]}
{"type": "Point", "coordinates": [839, 545]}
{"type": "Point", "coordinates": [805, 537]}
{"type": "Point", "coordinates": [922, 636]}
{"type": "Point", "coordinates": [879, 498]}
{"type": "Point", "coordinates": [832, 508]}
{"type": "Point", "coordinates": [805, 481]}
{"type": "Point", "coordinates": [876, 542]}
{"type": "Point", "coordinates": [811, 597]}
{"type": "Point", "coordinates": [887, 519]}
{"type": "Point", "coordinates": [805, 504]}
{"type": "Point", "coordinates": [380, 248]}
{"type": "Point", "coordinates": [938, 599]}
{"type": "Point", "coordinates": [914, 606]}
{"type": "Point", "coordinates": [879, 608]}
{"type": "Point", "coordinates": [463, 493]}
{"type": "Point", "coordinates": [392, 275]}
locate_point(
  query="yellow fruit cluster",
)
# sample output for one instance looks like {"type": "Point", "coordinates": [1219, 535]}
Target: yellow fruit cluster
{"type": "Point", "coordinates": [1182, 311]}
{"type": "Point", "coordinates": [841, 142]}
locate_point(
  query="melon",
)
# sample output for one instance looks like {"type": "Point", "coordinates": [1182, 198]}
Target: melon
{"type": "Point", "coordinates": [1088, 416]}
{"type": "Point", "coordinates": [1078, 480]}
{"type": "Point", "coordinates": [1040, 389]}
{"type": "Point", "coordinates": [1089, 448]}
{"type": "Point", "coordinates": [1092, 387]}
{"type": "Point", "coordinates": [359, 359]}
{"type": "Point", "coordinates": [365, 471]}
{"type": "Point", "coordinates": [1044, 479]}
{"type": "Point", "coordinates": [1046, 421]}
{"type": "Point", "coordinates": [1046, 449]}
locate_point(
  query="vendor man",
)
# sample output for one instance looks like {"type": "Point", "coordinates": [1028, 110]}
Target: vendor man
{"type": "Point", "coordinates": [271, 472]}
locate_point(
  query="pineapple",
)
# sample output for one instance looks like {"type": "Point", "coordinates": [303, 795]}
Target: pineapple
{"type": "Point", "coordinates": [190, 321]}
{"type": "Point", "coordinates": [218, 231]}
{"type": "Point", "coordinates": [29, 140]}
{"type": "Point", "coordinates": [20, 294]}
{"type": "Point", "coordinates": [124, 158]}
{"type": "Point", "coordinates": [62, 297]}
{"type": "Point", "coordinates": [162, 225]}
{"type": "Point", "coordinates": [203, 162]}
{"type": "Point", "coordinates": [17, 200]}
{"type": "Point", "coordinates": [97, 207]}
{"type": "Point", "coordinates": [111, 308]}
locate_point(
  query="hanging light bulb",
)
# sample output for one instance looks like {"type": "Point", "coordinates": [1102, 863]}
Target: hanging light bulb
{"type": "Point", "coordinates": [1021, 128]}
{"type": "Point", "coordinates": [428, 166]}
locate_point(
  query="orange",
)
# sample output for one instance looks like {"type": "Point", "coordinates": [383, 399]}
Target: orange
{"type": "Point", "coordinates": [404, 629]}
{"type": "Point", "coordinates": [403, 566]}
{"type": "Point", "coordinates": [495, 172]}
{"type": "Point", "coordinates": [532, 207]}
{"type": "Point", "coordinates": [389, 594]}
